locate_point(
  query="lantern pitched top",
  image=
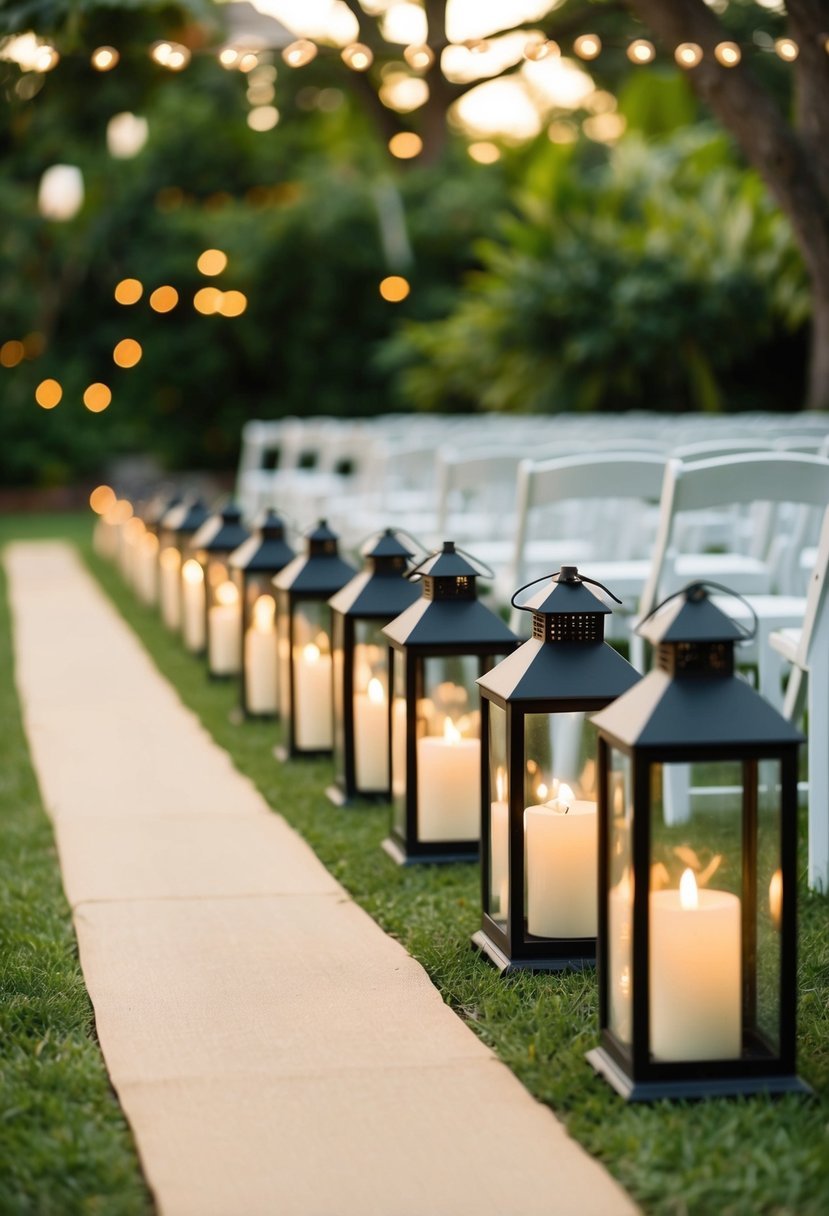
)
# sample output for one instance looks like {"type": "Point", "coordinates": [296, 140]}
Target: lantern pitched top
{"type": "Point", "coordinates": [266, 550]}
{"type": "Point", "coordinates": [320, 571]}
{"type": "Point", "coordinates": [222, 532]}
{"type": "Point", "coordinates": [386, 546]}
{"type": "Point", "coordinates": [381, 589]}
{"type": "Point", "coordinates": [447, 563]}
{"type": "Point", "coordinates": [186, 516]}
{"type": "Point", "coordinates": [690, 616]}
{"type": "Point", "coordinates": [567, 594]}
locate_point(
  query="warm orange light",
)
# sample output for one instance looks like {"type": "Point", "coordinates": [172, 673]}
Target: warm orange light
{"type": "Point", "coordinates": [484, 152]}
{"type": "Point", "coordinates": [358, 57]}
{"type": "Point", "coordinates": [232, 303]}
{"type": "Point", "coordinates": [212, 261]}
{"type": "Point", "coordinates": [127, 353]}
{"type": "Point", "coordinates": [45, 58]}
{"type": "Point", "coordinates": [419, 58]}
{"type": "Point", "coordinates": [541, 48]}
{"type": "Point", "coordinates": [170, 55]}
{"type": "Point", "coordinates": [102, 499]}
{"type": "Point", "coordinates": [97, 397]}
{"type": "Point", "coordinates": [376, 691]}
{"type": "Point", "coordinates": [11, 353]}
{"type": "Point", "coordinates": [787, 49]}
{"type": "Point", "coordinates": [688, 893]}
{"type": "Point", "coordinates": [728, 54]}
{"type": "Point", "coordinates": [776, 898]}
{"type": "Point", "coordinates": [164, 299]}
{"type": "Point", "coordinates": [48, 394]}
{"type": "Point", "coordinates": [207, 300]}
{"type": "Point", "coordinates": [34, 344]}
{"type": "Point", "coordinates": [120, 511]}
{"type": "Point", "coordinates": [248, 61]}
{"type": "Point", "coordinates": [405, 145]}
{"type": "Point", "coordinates": [105, 58]}
{"type": "Point", "coordinates": [129, 291]}
{"type": "Point", "coordinates": [228, 57]}
{"type": "Point", "coordinates": [192, 572]}
{"type": "Point", "coordinates": [298, 53]}
{"type": "Point", "coordinates": [264, 611]}
{"type": "Point", "coordinates": [688, 54]}
{"type": "Point", "coordinates": [588, 46]}
{"type": "Point", "coordinates": [641, 51]}
{"type": "Point", "coordinates": [394, 288]}
{"type": "Point", "coordinates": [451, 733]}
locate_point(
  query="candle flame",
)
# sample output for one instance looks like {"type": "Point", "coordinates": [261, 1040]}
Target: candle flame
{"type": "Point", "coordinates": [376, 692]}
{"type": "Point", "coordinates": [776, 898]}
{"type": "Point", "coordinates": [688, 893]}
{"type": "Point", "coordinates": [500, 784]}
{"type": "Point", "coordinates": [263, 613]}
{"type": "Point", "coordinates": [541, 792]}
{"type": "Point", "coordinates": [170, 559]}
{"type": "Point", "coordinates": [450, 732]}
{"type": "Point", "coordinates": [311, 653]}
{"type": "Point", "coordinates": [192, 572]}
{"type": "Point", "coordinates": [565, 795]}
{"type": "Point", "coordinates": [227, 594]}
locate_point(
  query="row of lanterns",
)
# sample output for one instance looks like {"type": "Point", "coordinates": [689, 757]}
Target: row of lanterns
{"type": "Point", "coordinates": [589, 850]}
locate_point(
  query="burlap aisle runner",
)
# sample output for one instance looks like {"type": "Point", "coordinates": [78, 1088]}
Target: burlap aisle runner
{"type": "Point", "coordinates": [275, 1053]}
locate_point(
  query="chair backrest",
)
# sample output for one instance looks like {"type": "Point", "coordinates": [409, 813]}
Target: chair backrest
{"type": "Point", "coordinates": [598, 477]}
{"type": "Point", "coordinates": [817, 601]}
{"type": "Point", "coordinates": [770, 477]}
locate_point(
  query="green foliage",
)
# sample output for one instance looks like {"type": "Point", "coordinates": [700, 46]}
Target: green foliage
{"type": "Point", "coordinates": [660, 278]}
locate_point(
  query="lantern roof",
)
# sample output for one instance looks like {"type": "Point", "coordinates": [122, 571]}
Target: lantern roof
{"type": "Point", "coordinates": [560, 672]}
{"type": "Point", "coordinates": [465, 624]}
{"type": "Point", "coordinates": [320, 571]}
{"type": "Point", "coordinates": [690, 616]}
{"type": "Point", "coordinates": [567, 594]}
{"type": "Point", "coordinates": [158, 506]}
{"type": "Point", "coordinates": [661, 712]}
{"type": "Point", "coordinates": [187, 516]}
{"type": "Point", "coordinates": [222, 532]}
{"type": "Point", "coordinates": [266, 551]}
{"type": "Point", "coordinates": [381, 589]}
{"type": "Point", "coordinates": [448, 563]}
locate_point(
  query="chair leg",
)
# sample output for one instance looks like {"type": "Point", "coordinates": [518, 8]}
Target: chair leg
{"type": "Point", "coordinates": [818, 745]}
{"type": "Point", "coordinates": [676, 793]}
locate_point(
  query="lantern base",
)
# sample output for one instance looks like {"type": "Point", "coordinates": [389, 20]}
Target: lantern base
{"type": "Point", "coordinates": [339, 797]}
{"type": "Point", "coordinates": [398, 854]}
{"type": "Point", "coordinates": [723, 1087]}
{"type": "Point", "coordinates": [509, 966]}
{"type": "Point", "coordinates": [283, 754]}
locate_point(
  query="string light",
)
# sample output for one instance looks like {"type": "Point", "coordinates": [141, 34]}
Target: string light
{"type": "Point", "coordinates": [420, 58]}
{"type": "Point", "coordinates": [787, 49]}
{"type": "Point", "coordinates": [46, 57]}
{"type": "Point", "coordinates": [105, 58]}
{"type": "Point", "coordinates": [11, 353]}
{"type": "Point", "coordinates": [97, 397]}
{"type": "Point", "coordinates": [405, 145]}
{"type": "Point", "coordinates": [357, 56]}
{"type": "Point", "coordinates": [128, 291]}
{"type": "Point", "coordinates": [127, 353]}
{"type": "Point", "coordinates": [641, 51]}
{"type": "Point", "coordinates": [298, 53]}
{"type": "Point", "coordinates": [688, 54]}
{"type": "Point", "coordinates": [48, 394]}
{"type": "Point", "coordinates": [394, 288]}
{"type": "Point", "coordinates": [102, 499]}
{"type": "Point", "coordinates": [170, 55]}
{"type": "Point", "coordinates": [588, 46]}
{"type": "Point", "coordinates": [207, 300]}
{"type": "Point", "coordinates": [728, 54]}
{"type": "Point", "coordinates": [228, 57]}
{"type": "Point", "coordinates": [232, 303]}
{"type": "Point", "coordinates": [211, 262]}
{"type": "Point", "coordinates": [484, 152]}
{"type": "Point", "coordinates": [164, 299]}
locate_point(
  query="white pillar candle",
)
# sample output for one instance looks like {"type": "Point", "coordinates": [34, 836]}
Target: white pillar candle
{"type": "Point", "coordinates": [169, 590]}
{"type": "Point", "coordinates": [192, 606]}
{"type": "Point", "coordinates": [260, 659]}
{"type": "Point", "coordinates": [499, 847]}
{"type": "Point", "coordinates": [371, 737]}
{"type": "Point", "coordinates": [398, 744]}
{"type": "Point", "coordinates": [224, 632]}
{"type": "Point", "coordinates": [313, 707]}
{"type": "Point", "coordinates": [448, 786]}
{"type": "Point", "coordinates": [695, 973]}
{"type": "Point", "coordinates": [562, 867]}
{"type": "Point", "coordinates": [147, 571]}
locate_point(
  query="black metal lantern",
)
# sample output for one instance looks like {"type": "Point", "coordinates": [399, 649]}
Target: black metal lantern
{"type": "Point", "coordinates": [378, 594]}
{"type": "Point", "coordinates": [146, 570]}
{"type": "Point", "coordinates": [221, 608]}
{"type": "Point", "coordinates": [697, 915]}
{"type": "Point", "coordinates": [539, 839]}
{"type": "Point", "coordinates": [174, 535]}
{"type": "Point", "coordinates": [303, 618]}
{"type": "Point", "coordinates": [440, 645]}
{"type": "Point", "coordinates": [254, 565]}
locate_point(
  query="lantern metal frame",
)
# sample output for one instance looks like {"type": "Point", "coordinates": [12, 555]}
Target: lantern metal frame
{"type": "Point", "coordinates": [692, 708]}
{"type": "Point", "coordinates": [218, 537]}
{"type": "Point", "coordinates": [447, 621]}
{"type": "Point", "coordinates": [256, 562]}
{"type": "Point", "coordinates": [311, 578]}
{"type": "Point", "coordinates": [375, 596]}
{"type": "Point", "coordinates": [565, 667]}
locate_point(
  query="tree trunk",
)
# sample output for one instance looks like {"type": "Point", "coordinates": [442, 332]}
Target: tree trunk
{"type": "Point", "coordinates": [794, 164]}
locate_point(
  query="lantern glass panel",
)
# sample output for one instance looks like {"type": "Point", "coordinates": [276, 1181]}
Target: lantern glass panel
{"type": "Point", "coordinates": [498, 777]}
{"type": "Point", "coordinates": [769, 903]}
{"type": "Point", "coordinates": [449, 750]}
{"type": "Point", "coordinates": [399, 739]}
{"type": "Point", "coordinates": [371, 702]}
{"type": "Point", "coordinates": [312, 708]}
{"type": "Point", "coordinates": [338, 658]}
{"type": "Point", "coordinates": [260, 686]}
{"type": "Point", "coordinates": [620, 898]}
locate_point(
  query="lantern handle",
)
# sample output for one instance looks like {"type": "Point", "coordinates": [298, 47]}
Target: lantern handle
{"type": "Point", "coordinates": [414, 574]}
{"type": "Point", "coordinates": [582, 578]}
{"type": "Point", "coordinates": [702, 585]}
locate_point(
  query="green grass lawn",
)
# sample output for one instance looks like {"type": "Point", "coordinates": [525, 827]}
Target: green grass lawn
{"type": "Point", "coordinates": [748, 1156]}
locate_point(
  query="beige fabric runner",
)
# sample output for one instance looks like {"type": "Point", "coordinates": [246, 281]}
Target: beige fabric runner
{"type": "Point", "coordinates": [274, 1051]}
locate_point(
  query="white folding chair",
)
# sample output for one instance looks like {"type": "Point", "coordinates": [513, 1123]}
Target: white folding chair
{"type": "Point", "coordinates": [807, 688]}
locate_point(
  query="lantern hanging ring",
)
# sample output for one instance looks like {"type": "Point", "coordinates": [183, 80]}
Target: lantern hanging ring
{"type": "Point", "coordinates": [696, 591]}
{"type": "Point", "coordinates": [571, 575]}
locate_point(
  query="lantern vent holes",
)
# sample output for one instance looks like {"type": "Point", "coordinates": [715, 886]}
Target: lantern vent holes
{"type": "Point", "coordinates": [461, 587]}
{"type": "Point", "coordinates": [696, 658]}
{"type": "Point", "coordinates": [568, 627]}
